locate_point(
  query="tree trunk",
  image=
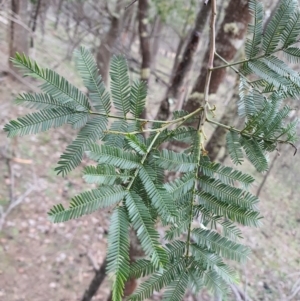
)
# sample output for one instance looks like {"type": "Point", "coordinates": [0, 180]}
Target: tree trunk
{"type": "Point", "coordinates": [144, 43]}
{"type": "Point", "coordinates": [218, 138]}
{"type": "Point", "coordinates": [108, 42]}
{"type": "Point", "coordinates": [228, 41]}
{"type": "Point", "coordinates": [185, 64]}
{"type": "Point", "coordinates": [100, 275]}
{"type": "Point", "coordinates": [158, 25]}
{"type": "Point", "coordinates": [34, 19]}
{"type": "Point", "coordinates": [58, 12]}
{"type": "Point", "coordinates": [230, 38]}
{"type": "Point", "coordinates": [144, 39]}
{"type": "Point", "coordinates": [18, 35]}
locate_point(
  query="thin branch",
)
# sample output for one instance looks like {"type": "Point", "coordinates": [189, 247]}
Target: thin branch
{"type": "Point", "coordinates": [232, 129]}
{"type": "Point", "coordinates": [252, 59]}
{"type": "Point", "coordinates": [13, 204]}
{"type": "Point", "coordinates": [202, 120]}
{"type": "Point", "coordinates": [145, 121]}
{"type": "Point", "coordinates": [131, 3]}
{"type": "Point", "coordinates": [241, 75]}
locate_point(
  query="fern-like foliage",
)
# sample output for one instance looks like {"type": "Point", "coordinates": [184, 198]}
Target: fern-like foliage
{"type": "Point", "coordinates": [200, 209]}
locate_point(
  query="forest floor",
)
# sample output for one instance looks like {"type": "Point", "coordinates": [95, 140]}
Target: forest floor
{"type": "Point", "coordinates": [44, 261]}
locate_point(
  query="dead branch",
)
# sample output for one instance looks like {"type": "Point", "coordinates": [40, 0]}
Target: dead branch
{"type": "Point", "coordinates": [131, 3]}
{"type": "Point", "coordinates": [13, 203]}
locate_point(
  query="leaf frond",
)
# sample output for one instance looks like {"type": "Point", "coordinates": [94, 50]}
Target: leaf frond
{"type": "Point", "coordinates": [90, 133]}
{"type": "Point", "coordinates": [88, 70]}
{"type": "Point", "coordinates": [86, 203]}
{"type": "Point", "coordinates": [55, 85]}
{"type": "Point", "coordinates": [118, 251]}
{"type": "Point", "coordinates": [119, 84]}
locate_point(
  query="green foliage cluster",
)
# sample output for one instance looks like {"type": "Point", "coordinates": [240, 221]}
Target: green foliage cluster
{"type": "Point", "coordinates": [201, 208]}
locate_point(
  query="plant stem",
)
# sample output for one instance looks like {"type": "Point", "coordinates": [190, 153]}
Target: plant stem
{"type": "Point", "coordinates": [240, 74]}
{"type": "Point", "coordinates": [159, 131]}
{"type": "Point", "coordinates": [132, 119]}
{"type": "Point", "coordinates": [232, 129]}
{"type": "Point", "coordinates": [168, 123]}
{"type": "Point", "coordinates": [204, 114]}
{"type": "Point", "coordinates": [144, 158]}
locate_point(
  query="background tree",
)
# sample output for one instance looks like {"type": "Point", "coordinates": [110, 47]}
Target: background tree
{"type": "Point", "coordinates": [18, 30]}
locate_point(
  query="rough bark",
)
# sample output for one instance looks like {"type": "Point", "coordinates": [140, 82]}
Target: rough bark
{"type": "Point", "coordinates": [144, 43]}
{"type": "Point", "coordinates": [144, 39]}
{"type": "Point", "coordinates": [229, 39]}
{"type": "Point", "coordinates": [107, 43]}
{"type": "Point", "coordinates": [218, 138]}
{"type": "Point", "coordinates": [18, 35]}
{"type": "Point", "coordinates": [185, 64]}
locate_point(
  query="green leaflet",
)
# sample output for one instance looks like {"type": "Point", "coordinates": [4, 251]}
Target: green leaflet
{"type": "Point", "coordinates": [292, 30]}
{"type": "Point", "coordinates": [227, 193]}
{"type": "Point", "coordinates": [55, 85]}
{"type": "Point", "coordinates": [119, 85]}
{"type": "Point", "coordinates": [160, 198]}
{"type": "Point", "coordinates": [274, 31]}
{"type": "Point", "coordinates": [158, 280]}
{"type": "Point", "coordinates": [86, 203]}
{"type": "Point", "coordinates": [141, 268]}
{"type": "Point", "coordinates": [234, 147]}
{"type": "Point", "coordinates": [180, 186]}
{"type": "Point", "coordinates": [40, 101]}
{"type": "Point", "coordinates": [117, 140]}
{"type": "Point", "coordinates": [225, 174]}
{"type": "Point", "coordinates": [220, 244]}
{"type": "Point", "coordinates": [255, 154]}
{"type": "Point", "coordinates": [214, 261]}
{"type": "Point", "coordinates": [292, 54]}
{"type": "Point", "coordinates": [136, 144]}
{"type": "Point", "coordinates": [88, 70]}
{"type": "Point", "coordinates": [138, 94]}
{"type": "Point", "coordinates": [176, 161]}
{"type": "Point", "coordinates": [38, 122]}
{"type": "Point", "coordinates": [118, 251]}
{"type": "Point", "coordinates": [252, 45]}
{"type": "Point", "coordinates": [90, 133]}
{"type": "Point", "coordinates": [103, 174]}
{"type": "Point", "coordinates": [113, 156]}
{"type": "Point", "coordinates": [176, 290]}
{"type": "Point", "coordinates": [143, 224]}
{"type": "Point", "coordinates": [205, 216]}
{"type": "Point", "coordinates": [233, 212]}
